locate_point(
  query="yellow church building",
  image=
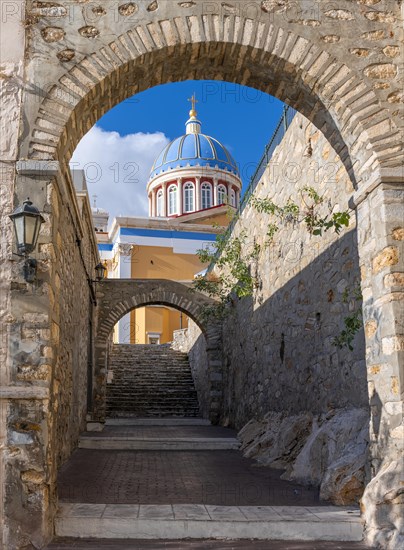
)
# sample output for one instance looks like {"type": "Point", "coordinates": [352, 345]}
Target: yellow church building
{"type": "Point", "coordinates": [193, 183]}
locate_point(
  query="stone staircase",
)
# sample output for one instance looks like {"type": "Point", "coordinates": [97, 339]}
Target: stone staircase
{"type": "Point", "coordinates": [150, 381]}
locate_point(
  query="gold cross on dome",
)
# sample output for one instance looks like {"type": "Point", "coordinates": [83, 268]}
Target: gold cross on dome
{"type": "Point", "coordinates": [194, 101]}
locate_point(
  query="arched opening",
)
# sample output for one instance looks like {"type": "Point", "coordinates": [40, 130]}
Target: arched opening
{"type": "Point", "coordinates": [152, 324]}
{"type": "Point", "coordinates": [288, 57]}
{"type": "Point", "coordinates": [162, 372]}
{"type": "Point", "coordinates": [117, 298]}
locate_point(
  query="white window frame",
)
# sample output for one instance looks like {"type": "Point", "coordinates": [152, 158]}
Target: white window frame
{"type": "Point", "coordinates": [154, 336]}
{"type": "Point", "coordinates": [172, 202]}
{"type": "Point", "coordinates": [206, 185]}
{"type": "Point", "coordinates": [160, 203]}
{"type": "Point", "coordinates": [189, 186]}
{"type": "Point", "coordinates": [233, 198]}
{"type": "Point", "coordinates": [221, 190]}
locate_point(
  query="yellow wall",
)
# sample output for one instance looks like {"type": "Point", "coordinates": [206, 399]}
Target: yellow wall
{"type": "Point", "coordinates": [222, 220]}
{"type": "Point", "coordinates": [157, 262]}
{"type": "Point", "coordinates": [160, 320]}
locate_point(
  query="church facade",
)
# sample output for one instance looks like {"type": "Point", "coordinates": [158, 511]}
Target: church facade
{"type": "Point", "coordinates": [193, 188]}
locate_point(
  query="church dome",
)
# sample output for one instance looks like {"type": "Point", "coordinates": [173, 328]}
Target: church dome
{"type": "Point", "coordinates": [194, 149]}
{"type": "Point", "coordinates": [194, 172]}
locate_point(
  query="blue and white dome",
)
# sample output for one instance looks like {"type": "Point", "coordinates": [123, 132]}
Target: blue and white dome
{"type": "Point", "coordinates": [193, 149]}
{"type": "Point", "coordinates": [193, 173]}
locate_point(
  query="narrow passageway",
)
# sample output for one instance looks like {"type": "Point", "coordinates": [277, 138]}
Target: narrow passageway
{"type": "Point", "coordinates": [159, 471]}
{"type": "Point", "coordinates": [182, 478]}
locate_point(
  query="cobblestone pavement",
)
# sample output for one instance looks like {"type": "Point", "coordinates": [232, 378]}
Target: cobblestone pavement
{"type": "Point", "coordinates": [165, 432]}
{"type": "Point", "coordinates": [176, 477]}
{"type": "Point", "coordinates": [88, 544]}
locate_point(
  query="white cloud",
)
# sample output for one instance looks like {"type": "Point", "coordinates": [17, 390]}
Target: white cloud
{"type": "Point", "coordinates": [117, 168]}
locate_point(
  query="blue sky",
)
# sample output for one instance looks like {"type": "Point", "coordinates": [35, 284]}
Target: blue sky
{"type": "Point", "coordinates": [117, 154]}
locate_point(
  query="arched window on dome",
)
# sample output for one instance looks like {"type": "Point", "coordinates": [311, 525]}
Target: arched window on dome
{"type": "Point", "coordinates": [189, 197]}
{"type": "Point", "coordinates": [233, 198]}
{"type": "Point", "coordinates": [206, 192]}
{"type": "Point", "coordinates": [160, 199]}
{"type": "Point", "coordinates": [221, 195]}
{"type": "Point", "coordinates": [172, 200]}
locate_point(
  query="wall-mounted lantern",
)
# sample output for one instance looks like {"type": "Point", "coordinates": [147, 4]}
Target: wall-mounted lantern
{"type": "Point", "coordinates": [27, 222]}
{"type": "Point", "coordinates": [100, 272]}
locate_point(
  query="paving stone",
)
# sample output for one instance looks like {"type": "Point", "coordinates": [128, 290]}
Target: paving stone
{"type": "Point", "coordinates": [223, 478]}
{"type": "Point", "coordinates": [121, 511]}
{"type": "Point", "coordinates": [148, 511]}
{"type": "Point", "coordinates": [190, 511]}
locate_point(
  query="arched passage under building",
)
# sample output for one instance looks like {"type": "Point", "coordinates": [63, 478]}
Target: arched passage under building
{"type": "Point", "coordinates": [117, 297]}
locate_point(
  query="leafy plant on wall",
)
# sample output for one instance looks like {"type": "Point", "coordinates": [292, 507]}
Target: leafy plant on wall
{"type": "Point", "coordinates": [353, 322]}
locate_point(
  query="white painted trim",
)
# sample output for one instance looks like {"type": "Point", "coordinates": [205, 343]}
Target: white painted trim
{"type": "Point", "coordinates": [172, 186]}
{"type": "Point", "coordinates": [184, 185]}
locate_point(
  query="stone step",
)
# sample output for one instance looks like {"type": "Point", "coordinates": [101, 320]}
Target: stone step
{"type": "Point", "coordinates": [151, 398]}
{"type": "Point", "coordinates": [148, 411]}
{"type": "Point", "coordinates": [152, 405]}
{"type": "Point", "coordinates": [131, 443]}
{"type": "Point", "coordinates": [157, 422]}
{"type": "Point", "coordinates": [150, 381]}
{"type": "Point", "coordinates": [139, 388]}
{"type": "Point", "coordinates": [198, 521]}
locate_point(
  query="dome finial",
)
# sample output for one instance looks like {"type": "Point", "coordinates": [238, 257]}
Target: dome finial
{"type": "Point", "coordinates": [193, 125]}
{"type": "Point", "coordinates": [194, 101]}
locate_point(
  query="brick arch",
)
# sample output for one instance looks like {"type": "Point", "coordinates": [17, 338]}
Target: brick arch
{"type": "Point", "coordinates": [117, 297]}
{"type": "Point", "coordinates": [138, 293]}
{"type": "Point", "coordinates": [298, 61]}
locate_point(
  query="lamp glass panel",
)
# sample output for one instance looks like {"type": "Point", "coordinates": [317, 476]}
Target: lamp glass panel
{"type": "Point", "coordinates": [30, 230]}
{"type": "Point", "coordinates": [19, 231]}
{"type": "Point", "coordinates": [37, 229]}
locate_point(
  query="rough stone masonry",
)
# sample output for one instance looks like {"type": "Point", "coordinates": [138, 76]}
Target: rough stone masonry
{"type": "Point", "coordinates": [63, 65]}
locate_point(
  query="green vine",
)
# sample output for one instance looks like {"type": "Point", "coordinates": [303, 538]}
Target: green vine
{"type": "Point", "coordinates": [315, 223]}
{"type": "Point", "coordinates": [238, 266]}
{"type": "Point", "coordinates": [354, 322]}
{"type": "Point", "coordinates": [235, 261]}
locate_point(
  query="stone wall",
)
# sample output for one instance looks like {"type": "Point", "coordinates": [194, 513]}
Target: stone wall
{"type": "Point", "coordinates": [192, 341]}
{"type": "Point", "coordinates": [277, 345]}
{"type": "Point", "coordinates": [50, 341]}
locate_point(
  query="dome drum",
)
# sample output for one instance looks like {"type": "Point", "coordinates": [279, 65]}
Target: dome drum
{"type": "Point", "coordinates": [176, 197]}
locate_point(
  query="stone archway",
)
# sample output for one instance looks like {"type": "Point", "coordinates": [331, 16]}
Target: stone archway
{"type": "Point", "coordinates": [70, 64]}
{"type": "Point", "coordinates": [116, 298]}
